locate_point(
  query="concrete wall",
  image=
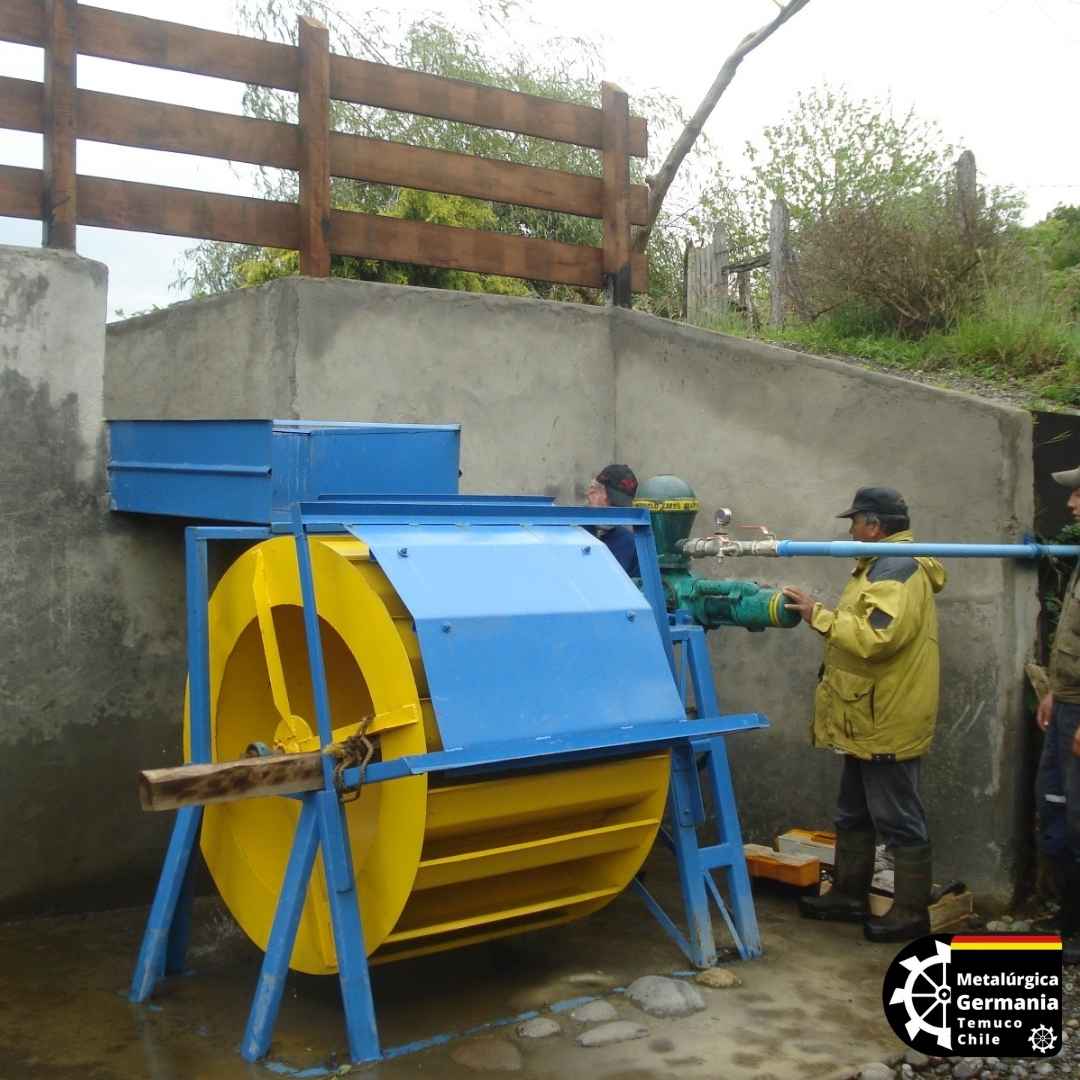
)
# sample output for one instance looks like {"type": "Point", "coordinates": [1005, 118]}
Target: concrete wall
{"type": "Point", "coordinates": [785, 439]}
{"type": "Point", "coordinates": [91, 616]}
{"type": "Point", "coordinates": [546, 394]}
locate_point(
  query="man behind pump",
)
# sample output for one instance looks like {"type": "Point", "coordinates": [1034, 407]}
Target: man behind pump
{"type": "Point", "coordinates": [615, 485]}
{"type": "Point", "coordinates": [1058, 782]}
{"type": "Point", "coordinates": [876, 703]}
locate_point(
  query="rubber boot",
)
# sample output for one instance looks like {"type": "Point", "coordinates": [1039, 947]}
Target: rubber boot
{"type": "Point", "coordinates": [909, 916]}
{"type": "Point", "coordinates": [846, 901]}
{"type": "Point", "coordinates": [1070, 914]}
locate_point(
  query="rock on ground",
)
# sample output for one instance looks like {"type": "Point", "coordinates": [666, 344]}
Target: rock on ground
{"type": "Point", "coordinates": [875, 1070]}
{"type": "Point", "coordinates": [717, 978]}
{"type": "Point", "coordinates": [615, 1032]}
{"type": "Point", "coordinates": [488, 1055]}
{"type": "Point", "coordinates": [596, 1012]}
{"type": "Point", "coordinates": [540, 1027]}
{"type": "Point", "coordinates": [916, 1059]}
{"type": "Point", "coordinates": [663, 997]}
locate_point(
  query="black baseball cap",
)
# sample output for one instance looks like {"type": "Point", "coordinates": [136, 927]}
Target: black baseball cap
{"type": "Point", "coordinates": [877, 500]}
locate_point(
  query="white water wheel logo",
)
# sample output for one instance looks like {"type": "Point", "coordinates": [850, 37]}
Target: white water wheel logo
{"type": "Point", "coordinates": [926, 995]}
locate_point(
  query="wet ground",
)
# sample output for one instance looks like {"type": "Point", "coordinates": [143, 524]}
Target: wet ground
{"type": "Point", "coordinates": [810, 1007]}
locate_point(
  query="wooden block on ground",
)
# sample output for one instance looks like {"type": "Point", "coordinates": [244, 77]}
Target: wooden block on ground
{"type": "Point", "coordinates": [799, 870]}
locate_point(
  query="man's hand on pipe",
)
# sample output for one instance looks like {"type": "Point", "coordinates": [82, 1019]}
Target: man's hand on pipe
{"type": "Point", "coordinates": [801, 602]}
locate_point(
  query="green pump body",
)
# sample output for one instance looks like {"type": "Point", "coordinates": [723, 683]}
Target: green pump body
{"type": "Point", "coordinates": [673, 507]}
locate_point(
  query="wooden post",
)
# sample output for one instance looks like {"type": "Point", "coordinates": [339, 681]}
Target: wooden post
{"type": "Point", "coordinates": [616, 132]}
{"type": "Point", "coordinates": [720, 255]}
{"type": "Point", "coordinates": [779, 222]}
{"type": "Point", "coordinates": [746, 301]}
{"type": "Point", "coordinates": [58, 211]}
{"type": "Point", "coordinates": [966, 193]}
{"type": "Point", "coordinates": [314, 43]}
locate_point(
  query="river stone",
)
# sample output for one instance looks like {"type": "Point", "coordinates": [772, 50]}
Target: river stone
{"type": "Point", "coordinates": [875, 1070]}
{"type": "Point", "coordinates": [539, 1027]}
{"type": "Point", "coordinates": [616, 1032]}
{"type": "Point", "coordinates": [663, 997]}
{"type": "Point", "coordinates": [596, 1012]}
{"type": "Point", "coordinates": [717, 978]}
{"type": "Point", "coordinates": [916, 1059]}
{"type": "Point", "coordinates": [966, 1068]}
{"type": "Point", "coordinates": [488, 1055]}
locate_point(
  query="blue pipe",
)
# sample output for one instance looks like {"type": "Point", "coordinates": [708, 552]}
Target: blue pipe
{"type": "Point", "coordinates": [855, 549]}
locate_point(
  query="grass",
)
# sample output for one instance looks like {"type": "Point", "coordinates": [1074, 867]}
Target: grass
{"type": "Point", "coordinates": [1025, 344]}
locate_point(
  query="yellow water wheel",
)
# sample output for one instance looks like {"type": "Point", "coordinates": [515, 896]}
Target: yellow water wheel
{"type": "Point", "coordinates": [437, 865]}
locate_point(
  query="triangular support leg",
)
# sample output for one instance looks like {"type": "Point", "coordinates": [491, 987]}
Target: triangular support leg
{"type": "Point", "coordinates": [696, 862]}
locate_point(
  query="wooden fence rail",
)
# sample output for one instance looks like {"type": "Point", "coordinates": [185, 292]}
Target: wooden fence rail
{"type": "Point", "coordinates": [63, 113]}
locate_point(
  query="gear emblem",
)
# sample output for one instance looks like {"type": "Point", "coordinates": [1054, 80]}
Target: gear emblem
{"type": "Point", "coordinates": [1042, 1039]}
{"type": "Point", "coordinates": [926, 996]}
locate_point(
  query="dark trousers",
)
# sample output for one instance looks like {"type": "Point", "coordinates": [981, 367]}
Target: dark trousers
{"type": "Point", "coordinates": [883, 796]}
{"type": "Point", "coordinates": [1057, 786]}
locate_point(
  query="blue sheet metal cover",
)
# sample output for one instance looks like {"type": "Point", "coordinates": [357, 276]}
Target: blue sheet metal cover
{"type": "Point", "coordinates": [526, 631]}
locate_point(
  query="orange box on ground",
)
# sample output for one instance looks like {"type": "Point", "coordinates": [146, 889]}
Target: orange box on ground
{"type": "Point", "coordinates": [799, 870]}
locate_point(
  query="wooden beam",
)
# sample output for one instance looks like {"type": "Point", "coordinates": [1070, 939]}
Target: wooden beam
{"type": "Point", "coordinates": [121, 204]}
{"type": "Point", "coordinates": [226, 781]}
{"type": "Point", "coordinates": [58, 209]}
{"type": "Point", "coordinates": [367, 83]}
{"type": "Point", "coordinates": [20, 192]}
{"type": "Point", "coordinates": [136, 39]}
{"type": "Point", "coordinates": [21, 104]}
{"type": "Point", "coordinates": [616, 194]}
{"type": "Point", "coordinates": [370, 236]}
{"type": "Point", "coordinates": [111, 118]}
{"type": "Point", "coordinates": [314, 41]}
{"type": "Point", "coordinates": [22, 22]}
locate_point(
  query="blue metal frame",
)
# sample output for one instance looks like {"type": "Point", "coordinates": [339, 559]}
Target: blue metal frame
{"type": "Point", "coordinates": [322, 825]}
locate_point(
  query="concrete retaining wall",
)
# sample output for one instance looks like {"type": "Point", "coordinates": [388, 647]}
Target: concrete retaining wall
{"type": "Point", "coordinates": [546, 394]}
{"type": "Point", "coordinates": [92, 612]}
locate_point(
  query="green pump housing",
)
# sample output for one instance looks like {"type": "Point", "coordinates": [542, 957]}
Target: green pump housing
{"type": "Point", "coordinates": [673, 507]}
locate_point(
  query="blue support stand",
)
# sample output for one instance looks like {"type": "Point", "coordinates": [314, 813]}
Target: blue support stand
{"type": "Point", "coordinates": [687, 813]}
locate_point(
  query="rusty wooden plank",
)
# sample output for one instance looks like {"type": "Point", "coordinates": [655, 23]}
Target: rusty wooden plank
{"type": "Point", "coordinates": [380, 162]}
{"type": "Point", "coordinates": [121, 204]}
{"type": "Point", "coordinates": [21, 107]}
{"type": "Point", "coordinates": [112, 118]}
{"type": "Point", "coordinates": [20, 192]}
{"type": "Point", "coordinates": [226, 781]}
{"type": "Point", "coordinates": [22, 22]}
{"type": "Point", "coordinates": [314, 41]}
{"type": "Point", "coordinates": [156, 43]}
{"type": "Point", "coordinates": [58, 210]}
{"type": "Point", "coordinates": [396, 88]}
{"type": "Point", "coordinates": [616, 193]}
{"type": "Point", "coordinates": [373, 236]}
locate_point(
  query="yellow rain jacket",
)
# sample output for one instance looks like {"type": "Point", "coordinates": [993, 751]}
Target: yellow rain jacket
{"type": "Point", "coordinates": [878, 694]}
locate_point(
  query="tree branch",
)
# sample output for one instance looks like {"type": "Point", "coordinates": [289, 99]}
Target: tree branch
{"type": "Point", "coordinates": [659, 184]}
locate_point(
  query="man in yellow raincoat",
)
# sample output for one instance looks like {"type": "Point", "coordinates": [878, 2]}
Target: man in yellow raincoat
{"type": "Point", "coordinates": [876, 703]}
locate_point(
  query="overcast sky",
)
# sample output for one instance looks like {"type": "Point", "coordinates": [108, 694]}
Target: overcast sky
{"type": "Point", "coordinates": [997, 75]}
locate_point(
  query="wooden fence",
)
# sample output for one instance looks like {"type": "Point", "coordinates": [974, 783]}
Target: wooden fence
{"type": "Point", "coordinates": [63, 113]}
{"type": "Point", "coordinates": [709, 269]}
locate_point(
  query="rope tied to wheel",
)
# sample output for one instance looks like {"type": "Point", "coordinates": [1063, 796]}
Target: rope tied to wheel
{"type": "Point", "coordinates": [356, 750]}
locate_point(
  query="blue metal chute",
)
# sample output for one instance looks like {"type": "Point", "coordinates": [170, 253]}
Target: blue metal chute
{"type": "Point", "coordinates": [526, 632]}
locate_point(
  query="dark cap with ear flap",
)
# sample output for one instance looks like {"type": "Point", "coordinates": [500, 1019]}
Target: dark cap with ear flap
{"type": "Point", "coordinates": [885, 501]}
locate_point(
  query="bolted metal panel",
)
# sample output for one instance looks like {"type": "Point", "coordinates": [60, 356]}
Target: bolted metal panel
{"type": "Point", "coordinates": [526, 631]}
